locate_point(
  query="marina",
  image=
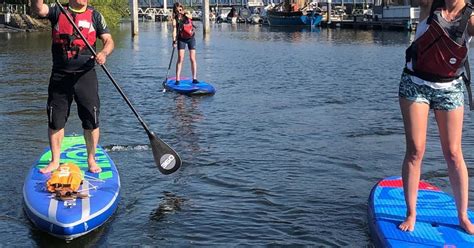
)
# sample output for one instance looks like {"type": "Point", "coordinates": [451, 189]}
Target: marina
{"type": "Point", "coordinates": [326, 14]}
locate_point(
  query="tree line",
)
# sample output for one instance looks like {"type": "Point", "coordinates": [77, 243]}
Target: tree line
{"type": "Point", "coordinates": [113, 10]}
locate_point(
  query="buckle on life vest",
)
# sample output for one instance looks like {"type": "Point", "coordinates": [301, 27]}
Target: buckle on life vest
{"type": "Point", "coordinates": [72, 52]}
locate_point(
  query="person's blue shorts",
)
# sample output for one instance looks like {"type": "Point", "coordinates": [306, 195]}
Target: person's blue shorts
{"type": "Point", "coordinates": [438, 99]}
{"type": "Point", "coordinates": [191, 42]}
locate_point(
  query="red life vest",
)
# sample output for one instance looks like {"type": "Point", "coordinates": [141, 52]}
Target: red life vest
{"type": "Point", "coordinates": [186, 30]}
{"type": "Point", "coordinates": [435, 56]}
{"type": "Point", "coordinates": [64, 35]}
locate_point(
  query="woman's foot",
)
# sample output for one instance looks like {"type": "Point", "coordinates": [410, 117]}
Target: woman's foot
{"type": "Point", "coordinates": [51, 167]}
{"type": "Point", "coordinates": [176, 83]}
{"type": "Point", "coordinates": [408, 225]}
{"type": "Point", "coordinates": [93, 167]}
{"type": "Point", "coordinates": [467, 226]}
{"type": "Point", "coordinates": [195, 81]}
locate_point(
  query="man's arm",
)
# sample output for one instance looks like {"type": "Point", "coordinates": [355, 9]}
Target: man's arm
{"type": "Point", "coordinates": [41, 9]}
{"type": "Point", "coordinates": [106, 50]}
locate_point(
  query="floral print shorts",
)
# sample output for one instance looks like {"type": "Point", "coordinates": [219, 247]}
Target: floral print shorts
{"type": "Point", "coordinates": [439, 99]}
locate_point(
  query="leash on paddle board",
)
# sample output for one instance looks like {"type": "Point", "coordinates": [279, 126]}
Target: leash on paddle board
{"type": "Point", "coordinates": [169, 67]}
{"type": "Point", "coordinates": [167, 160]}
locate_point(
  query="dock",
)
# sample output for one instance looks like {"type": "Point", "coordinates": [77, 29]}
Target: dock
{"type": "Point", "coordinates": [371, 24]}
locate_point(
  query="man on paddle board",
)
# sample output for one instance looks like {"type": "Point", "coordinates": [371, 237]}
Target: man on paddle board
{"type": "Point", "coordinates": [73, 75]}
{"type": "Point", "coordinates": [183, 35]}
{"type": "Point", "coordinates": [433, 79]}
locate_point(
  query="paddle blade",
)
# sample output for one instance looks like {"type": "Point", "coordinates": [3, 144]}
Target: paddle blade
{"type": "Point", "coordinates": [167, 160]}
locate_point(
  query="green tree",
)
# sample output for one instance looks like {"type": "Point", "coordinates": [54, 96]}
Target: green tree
{"type": "Point", "coordinates": [112, 10]}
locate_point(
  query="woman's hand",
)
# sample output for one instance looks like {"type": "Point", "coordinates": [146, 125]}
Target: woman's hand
{"type": "Point", "coordinates": [189, 15]}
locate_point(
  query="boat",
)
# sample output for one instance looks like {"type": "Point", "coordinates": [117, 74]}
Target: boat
{"type": "Point", "coordinates": [289, 14]}
{"type": "Point", "coordinates": [71, 218]}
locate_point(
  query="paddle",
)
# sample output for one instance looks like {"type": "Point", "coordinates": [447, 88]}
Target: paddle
{"type": "Point", "coordinates": [169, 67]}
{"type": "Point", "coordinates": [167, 160]}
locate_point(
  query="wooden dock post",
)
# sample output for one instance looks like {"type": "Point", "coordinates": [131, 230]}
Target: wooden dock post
{"type": "Point", "coordinates": [205, 16]}
{"type": "Point", "coordinates": [329, 2]}
{"type": "Point", "coordinates": [134, 17]}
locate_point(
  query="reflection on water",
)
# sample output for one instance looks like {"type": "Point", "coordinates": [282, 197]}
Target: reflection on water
{"type": "Point", "coordinates": [187, 116]}
{"type": "Point", "coordinates": [169, 204]}
{"type": "Point", "coordinates": [135, 43]}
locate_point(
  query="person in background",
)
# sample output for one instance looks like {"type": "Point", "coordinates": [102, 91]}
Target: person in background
{"type": "Point", "coordinates": [183, 35]}
{"type": "Point", "coordinates": [73, 75]}
{"type": "Point", "coordinates": [433, 79]}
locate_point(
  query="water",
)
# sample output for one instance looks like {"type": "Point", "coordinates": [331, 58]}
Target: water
{"type": "Point", "coordinates": [303, 124]}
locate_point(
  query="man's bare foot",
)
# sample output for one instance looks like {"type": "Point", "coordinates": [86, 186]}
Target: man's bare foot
{"type": "Point", "coordinates": [51, 167]}
{"type": "Point", "coordinates": [93, 167]}
{"type": "Point", "coordinates": [467, 226]}
{"type": "Point", "coordinates": [408, 225]}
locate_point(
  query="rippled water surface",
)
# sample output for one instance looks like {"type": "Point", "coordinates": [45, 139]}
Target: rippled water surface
{"type": "Point", "coordinates": [303, 124]}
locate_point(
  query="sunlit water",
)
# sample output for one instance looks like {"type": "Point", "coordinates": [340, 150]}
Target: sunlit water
{"type": "Point", "coordinates": [303, 124]}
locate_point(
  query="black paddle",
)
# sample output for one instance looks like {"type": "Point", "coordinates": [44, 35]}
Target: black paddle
{"type": "Point", "coordinates": [167, 160]}
{"type": "Point", "coordinates": [169, 67]}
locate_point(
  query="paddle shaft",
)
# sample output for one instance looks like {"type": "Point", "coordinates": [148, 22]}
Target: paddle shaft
{"type": "Point", "coordinates": [119, 89]}
{"type": "Point", "coordinates": [169, 66]}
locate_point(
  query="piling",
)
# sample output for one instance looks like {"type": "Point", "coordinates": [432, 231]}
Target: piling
{"type": "Point", "coordinates": [205, 21]}
{"type": "Point", "coordinates": [134, 8]}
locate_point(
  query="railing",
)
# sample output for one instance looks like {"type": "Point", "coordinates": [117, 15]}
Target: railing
{"type": "Point", "coordinates": [159, 3]}
{"type": "Point", "coordinates": [153, 11]}
{"type": "Point", "coordinates": [13, 8]}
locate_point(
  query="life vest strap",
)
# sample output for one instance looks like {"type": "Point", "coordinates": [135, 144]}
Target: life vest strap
{"type": "Point", "coordinates": [465, 17]}
{"type": "Point", "coordinates": [467, 82]}
{"type": "Point", "coordinates": [466, 76]}
{"type": "Point", "coordinates": [429, 77]}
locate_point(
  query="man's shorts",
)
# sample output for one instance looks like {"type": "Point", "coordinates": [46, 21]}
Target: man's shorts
{"type": "Point", "coordinates": [191, 43]}
{"type": "Point", "coordinates": [83, 88]}
{"type": "Point", "coordinates": [438, 99]}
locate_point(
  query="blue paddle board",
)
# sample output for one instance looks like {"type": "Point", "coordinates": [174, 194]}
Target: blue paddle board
{"type": "Point", "coordinates": [186, 87]}
{"type": "Point", "coordinates": [436, 225]}
{"type": "Point", "coordinates": [73, 218]}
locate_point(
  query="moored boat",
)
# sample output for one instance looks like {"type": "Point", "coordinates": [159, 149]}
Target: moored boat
{"type": "Point", "coordinates": [289, 14]}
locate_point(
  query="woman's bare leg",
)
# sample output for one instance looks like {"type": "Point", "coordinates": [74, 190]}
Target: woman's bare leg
{"type": "Point", "coordinates": [450, 125]}
{"type": "Point", "coordinates": [415, 119]}
{"type": "Point", "coordinates": [192, 57]}
{"type": "Point", "coordinates": [179, 63]}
